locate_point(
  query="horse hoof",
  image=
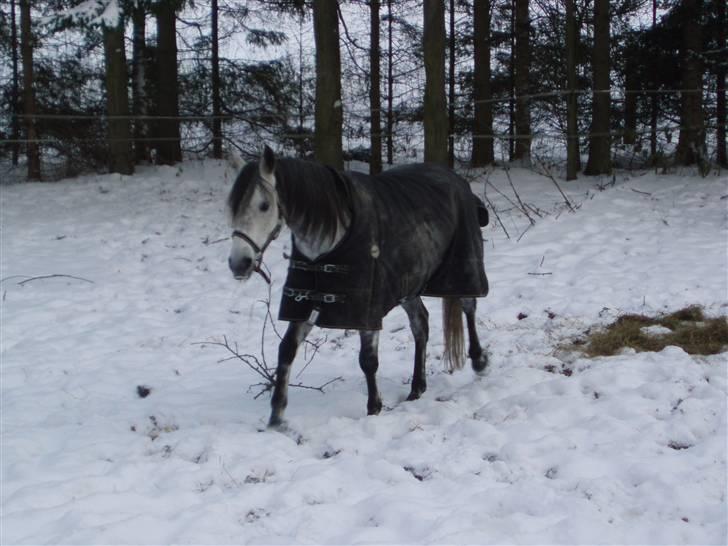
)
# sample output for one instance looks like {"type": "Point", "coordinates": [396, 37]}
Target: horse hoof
{"type": "Point", "coordinates": [375, 408]}
{"type": "Point", "coordinates": [276, 423]}
{"type": "Point", "coordinates": [415, 395]}
{"type": "Point", "coordinates": [480, 363]}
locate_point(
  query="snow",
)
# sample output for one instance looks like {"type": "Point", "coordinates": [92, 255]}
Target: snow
{"type": "Point", "coordinates": [547, 448]}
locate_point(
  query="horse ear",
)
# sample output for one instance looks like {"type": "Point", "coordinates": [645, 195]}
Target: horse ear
{"type": "Point", "coordinates": [267, 162]}
{"type": "Point", "coordinates": [234, 159]}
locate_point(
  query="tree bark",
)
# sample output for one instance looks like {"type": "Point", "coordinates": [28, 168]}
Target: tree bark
{"type": "Point", "coordinates": [482, 153]}
{"type": "Point", "coordinates": [572, 110]}
{"type": "Point", "coordinates": [653, 97]}
{"type": "Point", "coordinates": [117, 101]}
{"type": "Point", "coordinates": [692, 134]}
{"type": "Point", "coordinates": [390, 87]}
{"type": "Point", "coordinates": [168, 146]}
{"type": "Point", "coordinates": [720, 75]}
{"type": "Point", "coordinates": [375, 98]}
{"type": "Point", "coordinates": [435, 107]}
{"type": "Point", "coordinates": [600, 161]}
{"type": "Point", "coordinates": [329, 114]}
{"type": "Point", "coordinates": [215, 77]}
{"type": "Point", "coordinates": [15, 91]}
{"type": "Point", "coordinates": [139, 67]}
{"type": "Point", "coordinates": [451, 89]}
{"type": "Point", "coordinates": [32, 150]}
{"type": "Point", "coordinates": [631, 84]}
{"type": "Point", "coordinates": [522, 66]}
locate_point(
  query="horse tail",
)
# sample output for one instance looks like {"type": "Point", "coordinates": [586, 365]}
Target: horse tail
{"type": "Point", "coordinates": [452, 329]}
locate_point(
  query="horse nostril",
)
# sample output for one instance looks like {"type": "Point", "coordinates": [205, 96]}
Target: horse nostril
{"type": "Point", "coordinates": [246, 263]}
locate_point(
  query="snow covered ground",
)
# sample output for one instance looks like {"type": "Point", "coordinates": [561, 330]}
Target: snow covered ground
{"type": "Point", "coordinates": [547, 448]}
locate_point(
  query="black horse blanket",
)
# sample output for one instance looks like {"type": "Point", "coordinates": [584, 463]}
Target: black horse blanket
{"type": "Point", "coordinates": [415, 231]}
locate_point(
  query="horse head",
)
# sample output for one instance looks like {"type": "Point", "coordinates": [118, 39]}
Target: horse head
{"type": "Point", "coordinates": [255, 215]}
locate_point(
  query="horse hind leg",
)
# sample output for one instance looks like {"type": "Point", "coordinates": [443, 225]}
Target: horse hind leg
{"type": "Point", "coordinates": [478, 357]}
{"type": "Point", "coordinates": [419, 323]}
{"type": "Point", "coordinates": [294, 336]}
{"type": "Point", "coordinates": [369, 363]}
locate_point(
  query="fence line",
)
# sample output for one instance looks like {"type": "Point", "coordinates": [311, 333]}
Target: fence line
{"type": "Point", "coordinates": [293, 136]}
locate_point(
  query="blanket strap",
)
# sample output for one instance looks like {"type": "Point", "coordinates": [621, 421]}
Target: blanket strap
{"type": "Point", "coordinates": [311, 295]}
{"type": "Point", "coordinates": [323, 268]}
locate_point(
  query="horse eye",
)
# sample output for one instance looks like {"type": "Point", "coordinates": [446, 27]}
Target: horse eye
{"type": "Point", "coordinates": [264, 206]}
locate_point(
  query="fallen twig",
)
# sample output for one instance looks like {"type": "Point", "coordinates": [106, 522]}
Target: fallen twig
{"type": "Point", "coordinates": [41, 277]}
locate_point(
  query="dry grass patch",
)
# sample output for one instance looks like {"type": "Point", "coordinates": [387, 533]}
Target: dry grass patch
{"type": "Point", "coordinates": [687, 328]}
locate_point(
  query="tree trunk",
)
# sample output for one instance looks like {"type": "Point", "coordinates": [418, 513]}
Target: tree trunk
{"type": "Point", "coordinates": [32, 149]}
{"type": "Point", "coordinates": [572, 110]}
{"type": "Point", "coordinates": [483, 115]}
{"type": "Point", "coordinates": [168, 147]}
{"type": "Point", "coordinates": [653, 97]}
{"type": "Point", "coordinates": [117, 101]}
{"type": "Point", "coordinates": [512, 85]}
{"type": "Point", "coordinates": [600, 161]}
{"type": "Point", "coordinates": [139, 67]}
{"type": "Point", "coordinates": [215, 77]}
{"type": "Point", "coordinates": [435, 107]}
{"type": "Point", "coordinates": [375, 98]}
{"type": "Point", "coordinates": [692, 135]}
{"type": "Point", "coordinates": [451, 90]}
{"type": "Point", "coordinates": [522, 66]}
{"type": "Point", "coordinates": [15, 91]}
{"type": "Point", "coordinates": [720, 74]}
{"type": "Point", "coordinates": [390, 87]}
{"type": "Point", "coordinates": [631, 84]}
{"type": "Point", "coordinates": [329, 115]}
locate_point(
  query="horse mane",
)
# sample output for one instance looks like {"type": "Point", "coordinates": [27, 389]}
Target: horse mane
{"type": "Point", "coordinates": [315, 198]}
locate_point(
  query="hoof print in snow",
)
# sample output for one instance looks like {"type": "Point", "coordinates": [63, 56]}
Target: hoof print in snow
{"type": "Point", "coordinates": [550, 314]}
{"type": "Point", "coordinates": [563, 370]}
{"type": "Point", "coordinates": [420, 474]}
{"type": "Point", "coordinates": [677, 446]}
{"type": "Point", "coordinates": [254, 515]}
{"type": "Point", "coordinates": [143, 391]}
{"type": "Point", "coordinates": [328, 454]}
{"type": "Point", "coordinates": [552, 472]}
{"type": "Point", "coordinates": [522, 316]}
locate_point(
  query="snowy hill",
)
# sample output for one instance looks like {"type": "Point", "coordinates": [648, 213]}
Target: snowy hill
{"type": "Point", "coordinates": [628, 449]}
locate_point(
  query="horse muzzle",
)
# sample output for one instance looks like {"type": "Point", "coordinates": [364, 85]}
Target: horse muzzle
{"type": "Point", "coordinates": [242, 268]}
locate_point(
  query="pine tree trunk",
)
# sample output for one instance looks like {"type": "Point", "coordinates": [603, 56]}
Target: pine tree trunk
{"type": "Point", "coordinates": [117, 101]}
{"type": "Point", "coordinates": [390, 87]}
{"type": "Point", "coordinates": [435, 107]}
{"type": "Point", "coordinates": [168, 147]}
{"type": "Point", "coordinates": [329, 114]}
{"type": "Point", "coordinates": [692, 135]}
{"type": "Point", "coordinates": [720, 75]}
{"type": "Point", "coordinates": [32, 149]}
{"type": "Point", "coordinates": [572, 110]}
{"type": "Point", "coordinates": [600, 161]}
{"type": "Point", "coordinates": [215, 77]}
{"type": "Point", "coordinates": [15, 92]}
{"type": "Point", "coordinates": [630, 102]}
{"type": "Point", "coordinates": [653, 97]}
{"type": "Point", "coordinates": [522, 66]}
{"type": "Point", "coordinates": [139, 67]}
{"type": "Point", "coordinates": [482, 153]}
{"type": "Point", "coordinates": [375, 98]}
{"type": "Point", "coordinates": [451, 90]}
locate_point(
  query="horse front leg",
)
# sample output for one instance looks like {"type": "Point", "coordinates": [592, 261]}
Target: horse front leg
{"type": "Point", "coordinates": [294, 336]}
{"type": "Point", "coordinates": [419, 324]}
{"type": "Point", "coordinates": [478, 357]}
{"type": "Point", "coordinates": [369, 362]}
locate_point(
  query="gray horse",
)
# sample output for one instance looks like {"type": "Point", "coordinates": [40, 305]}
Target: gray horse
{"type": "Point", "coordinates": [361, 246]}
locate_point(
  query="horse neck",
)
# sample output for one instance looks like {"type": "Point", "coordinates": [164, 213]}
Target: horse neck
{"type": "Point", "coordinates": [315, 203]}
